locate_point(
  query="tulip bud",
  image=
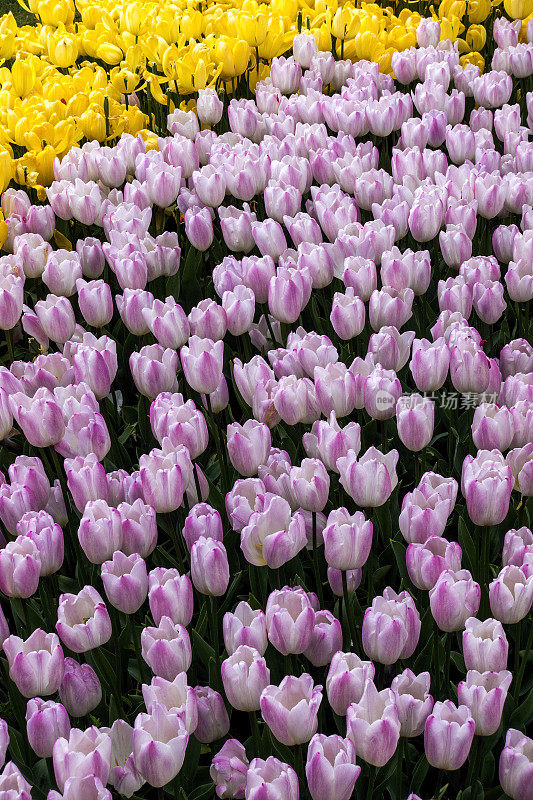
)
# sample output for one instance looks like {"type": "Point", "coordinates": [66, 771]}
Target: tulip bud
{"type": "Point", "coordinates": [213, 720]}
{"type": "Point", "coordinates": [248, 446]}
{"type": "Point", "coordinates": [448, 735]}
{"type": "Point", "coordinates": [159, 744]}
{"type": "Point", "coordinates": [46, 722]}
{"type": "Point", "coordinates": [516, 767]}
{"type": "Point", "coordinates": [373, 723]}
{"type": "Point", "coordinates": [290, 710]}
{"type": "Point", "coordinates": [209, 567]}
{"type": "Point", "coordinates": [228, 770]}
{"type": "Point", "coordinates": [330, 769]}
{"type": "Point", "coordinates": [413, 701]}
{"type": "Point", "coordinates": [245, 675]}
{"type": "Point", "coordinates": [80, 689]}
{"type": "Point", "coordinates": [485, 694]}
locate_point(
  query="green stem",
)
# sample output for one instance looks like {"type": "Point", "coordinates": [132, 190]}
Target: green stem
{"type": "Point", "coordinates": [371, 782]}
{"type": "Point", "coordinates": [255, 733]}
{"type": "Point", "coordinates": [10, 351]}
{"type": "Point", "coordinates": [62, 478]}
{"type": "Point", "coordinates": [399, 765]}
{"type": "Point", "coordinates": [523, 661]}
{"type": "Point", "coordinates": [447, 656]}
{"type": "Point", "coordinates": [349, 608]}
{"type": "Point", "coordinates": [316, 568]}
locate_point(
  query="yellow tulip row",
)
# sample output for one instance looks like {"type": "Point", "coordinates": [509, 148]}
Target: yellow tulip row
{"type": "Point", "coordinates": [92, 69]}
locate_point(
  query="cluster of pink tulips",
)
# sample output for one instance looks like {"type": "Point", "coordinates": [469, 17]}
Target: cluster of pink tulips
{"type": "Point", "coordinates": [267, 427]}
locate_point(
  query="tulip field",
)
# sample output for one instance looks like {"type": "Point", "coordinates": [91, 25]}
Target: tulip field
{"type": "Point", "coordinates": [266, 400]}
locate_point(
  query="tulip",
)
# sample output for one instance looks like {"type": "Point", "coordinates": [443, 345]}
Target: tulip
{"type": "Point", "coordinates": [335, 389]}
{"type": "Point", "coordinates": [209, 107]}
{"type": "Point", "coordinates": [83, 621]}
{"type": "Point", "coordinates": [272, 536]}
{"type": "Point", "coordinates": [228, 770]}
{"type": "Point", "coordinates": [213, 720]}
{"type": "Point", "coordinates": [46, 722]}
{"type": "Point", "coordinates": [13, 784]}
{"type": "Point", "coordinates": [485, 694]}
{"type": "Point", "coordinates": [139, 528]}
{"type": "Point", "coordinates": [153, 370]}
{"type": "Point", "coordinates": [511, 595]}
{"type": "Point", "coordinates": [20, 568]}
{"type": "Point", "coordinates": [159, 744]}
{"type": "Point", "coordinates": [371, 479]}
{"type": "Point", "coordinates": [82, 754]}
{"type": "Point", "coordinates": [328, 441]}
{"type": "Point", "coordinates": [310, 484]}
{"type": "Point", "coordinates": [413, 701]}
{"type": "Point", "coordinates": [330, 769]}
{"type": "Point", "coordinates": [347, 539]}
{"type": "Point", "coordinates": [170, 595]}
{"type": "Point", "coordinates": [165, 475]}
{"type": "Point", "coordinates": [166, 649]}
{"type": "Point", "coordinates": [290, 620]}
{"type": "Point", "coordinates": [426, 561]}
{"type": "Point", "coordinates": [199, 227]}
{"type": "Point", "coordinates": [248, 446]}
{"type": "Point", "coordinates": [125, 581]}
{"type": "Point", "coordinates": [415, 420]}
{"type": "Point", "coordinates": [290, 710]}
{"type": "Point", "coordinates": [326, 639]}
{"type": "Point", "coordinates": [492, 427]}
{"type": "Point", "coordinates": [448, 735]}
{"type": "Point", "coordinates": [429, 364]}
{"type": "Point", "coordinates": [56, 316]}
{"type": "Point", "coordinates": [202, 360]}
{"type": "Point", "coordinates": [245, 675]}
{"type": "Point", "coordinates": [35, 665]}
{"type": "Point", "coordinates": [391, 627]}
{"type": "Point", "coordinates": [86, 479]}
{"type": "Point", "coordinates": [372, 722]}
{"type": "Point", "coordinates": [271, 780]}
{"type": "Point", "coordinates": [454, 598]}
{"type": "Point", "coordinates": [209, 567]}
{"type": "Point", "coordinates": [39, 417]}
{"type": "Point", "coordinates": [124, 775]}
{"type": "Point", "coordinates": [100, 531]}
{"type": "Point", "coordinates": [346, 680]}
{"type": "Point", "coordinates": [80, 690]}
{"type": "Point", "coordinates": [516, 765]}
{"type": "Point", "coordinates": [175, 696]}
{"type": "Point", "coordinates": [244, 626]}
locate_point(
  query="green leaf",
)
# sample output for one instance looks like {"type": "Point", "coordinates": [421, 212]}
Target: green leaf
{"type": "Point", "coordinates": [522, 715]}
{"type": "Point", "coordinates": [419, 773]}
{"type": "Point", "coordinates": [190, 289]}
{"type": "Point", "coordinates": [202, 792]}
{"type": "Point", "coordinates": [204, 650]}
{"type": "Point", "coordinates": [467, 545]}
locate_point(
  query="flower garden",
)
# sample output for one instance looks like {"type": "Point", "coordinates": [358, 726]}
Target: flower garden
{"type": "Point", "coordinates": [266, 400]}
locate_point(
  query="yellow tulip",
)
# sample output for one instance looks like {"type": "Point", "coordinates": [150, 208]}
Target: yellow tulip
{"type": "Point", "coordinates": [109, 53]}
{"type": "Point", "coordinates": [478, 10]}
{"type": "Point", "coordinates": [233, 57]}
{"type": "Point", "coordinates": [22, 76]}
{"type": "Point", "coordinates": [473, 58]}
{"type": "Point", "coordinates": [3, 229]}
{"type": "Point", "coordinates": [93, 124]}
{"type": "Point", "coordinates": [133, 18]}
{"type": "Point", "coordinates": [476, 36]}
{"type": "Point", "coordinates": [7, 45]}
{"type": "Point", "coordinates": [6, 168]}
{"type": "Point", "coordinates": [518, 9]}
{"type": "Point", "coordinates": [62, 49]}
{"type": "Point", "coordinates": [252, 29]}
{"type": "Point", "coordinates": [345, 23]}
{"type": "Point", "coordinates": [123, 80]}
{"type": "Point", "coordinates": [191, 24]}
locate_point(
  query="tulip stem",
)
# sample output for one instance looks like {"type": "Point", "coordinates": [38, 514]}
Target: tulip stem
{"type": "Point", "coordinates": [214, 631]}
{"type": "Point", "coordinates": [485, 533]}
{"type": "Point", "coordinates": [349, 607]}
{"type": "Point", "coordinates": [524, 659]}
{"type": "Point", "coordinates": [472, 761]}
{"type": "Point", "coordinates": [447, 656]}
{"type": "Point", "coordinates": [371, 782]}
{"type": "Point", "coordinates": [9, 339]}
{"type": "Point", "coordinates": [197, 482]}
{"type": "Point", "coordinates": [255, 733]}
{"type": "Point", "coordinates": [62, 478]}
{"type": "Point", "coordinates": [316, 568]}
{"type": "Point", "coordinates": [399, 765]}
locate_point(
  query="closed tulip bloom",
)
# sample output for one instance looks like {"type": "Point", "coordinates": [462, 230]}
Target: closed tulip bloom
{"type": "Point", "coordinates": [228, 770]}
{"type": "Point", "coordinates": [165, 475]}
{"type": "Point", "coordinates": [373, 725]}
{"type": "Point", "coordinates": [153, 370]}
{"type": "Point", "coordinates": [335, 389]}
{"type": "Point", "coordinates": [209, 567]}
{"type": "Point", "coordinates": [46, 722]}
{"type": "Point", "coordinates": [290, 620]}
{"type": "Point", "coordinates": [429, 364]}
{"type": "Point", "coordinates": [175, 696]}
{"type": "Point", "coordinates": [245, 626]}
{"type": "Point", "coordinates": [326, 639]}
{"type": "Point", "coordinates": [391, 627]}
{"type": "Point", "coordinates": [454, 598]}
{"type": "Point", "coordinates": [209, 107]}
{"type": "Point", "coordinates": [199, 227]}
{"type": "Point", "coordinates": [83, 621]}
{"type": "Point", "coordinates": [390, 348]}
{"type": "Point", "coordinates": [166, 649]}
{"type": "Point", "coordinates": [180, 422]}
{"type": "Point", "coordinates": [347, 314]}
{"type": "Point", "coordinates": [488, 494]}
{"type": "Point", "coordinates": [488, 301]}
{"type": "Point", "coordinates": [39, 417]}
{"type": "Point", "coordinates": [159, 743]}
{"type": "Point", "coordinates": [170, 595]}
{"type": "Point", "coordinates": [271, 780]}
{"type": "Point", "coordinates": [290, 710]}
{"type": "Point", "coordinates": [485, 645]}
{"type": "Point", "coordinates": [413, 701]}
{"type": "Point", "coordinates": [484, 693]}
{"type": "Point", "coordinates": [35, 665]}
{"type": "Point", "coordinates": [11, 301]}
{"type": "Point", "coordinates": [168, 322]}
{"type": "Point", "coordinates": [202, 361]}
{"type": "Point", "coordinates": [245, 675]}
{"type": "Point", "coordinates": [124, 776]}
{"type": "Point", "coordinates": [469, 368]}
{"type": "Point", "coordinates": [381, 391]}
{"type": "Point", "coordinates": [426, 561]}
{"type": "Point", "coordinates": [125, 581]}
{"type": "Point", "coordinates": [239, 306]}
{"type": "Point", "coordinates": [328, 441]}
{"type": "Point", "coordinates": [390, 306]}
{"type": "Point", "coordinates": [56, 316]}
{"type": "Point", "coordinates": [347, 539]}
{"type": "Point", "coordinates": [448, 735]}
{"type": "Point", "coordinates": [100, 531]}
{"type": "Point", "coordinates": [95, 302]}
{"type": "Point", "coordinates": [310, 484]}
{"type": "Point", "coordinates": [273, 536]}
{"type": "Point", "coordinates": [213, 720]}
{"type": "Point", "coordinates": [4, 741]}
{"type": "Point", "coordinates": [371, 480]}
{"type": "Point", "coordinates": [208, 320]}
{"type": "Point", "coordinates": [248, 446]}
{"type": "Point", "coordinates": [86, 480]}
{"type": "Point", "coordinates": [82, 754]}
{"type": "Point", "coordinates": [516, 765]}
{"type": "Point", "coordinates": [415, 418]}
{"type": "Point", "coordinates": [20, 568]}
{"type": "Point", "coordinates": [511, 595]}
{"type": "Point", "coordinates": [346, 680]}
{"type": "Point", "coordinates": [330, 769]}
{"type": "Point", "coordinates": [139, 528]}
{"type": "Point", "coordinates": [492, 427]}
{"type": "Point", "coordinates": [80, 689]}
{"type": "Point", "coordinates": [202, 520]}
